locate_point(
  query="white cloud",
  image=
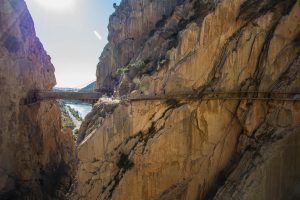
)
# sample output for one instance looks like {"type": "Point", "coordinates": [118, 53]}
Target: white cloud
{"type": "Point", "coordinates": [57, 5]}
{"type": "Point", "coordinates": [98, 35]}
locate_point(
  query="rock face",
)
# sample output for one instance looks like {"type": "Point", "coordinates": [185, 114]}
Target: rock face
{"type": "Point", "coordinates": [129, 28]}
{"type": "Point", "coordinates": [212, 149]}
{"type": "Point", "coordinates": [36, 157]}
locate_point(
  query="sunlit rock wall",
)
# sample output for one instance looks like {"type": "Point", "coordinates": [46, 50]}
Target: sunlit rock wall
{"type": "Point", "coordinates": [222, 149]}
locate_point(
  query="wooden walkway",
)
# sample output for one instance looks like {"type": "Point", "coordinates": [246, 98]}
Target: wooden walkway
{"type": "Point", "coordinates": [238, 95]}
{"type": "Point", "coordinates": [93, 97]}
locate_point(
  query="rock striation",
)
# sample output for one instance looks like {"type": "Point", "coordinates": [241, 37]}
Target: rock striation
{"type": "Point", "coordinates": [185, 149]}
{"type": "Point", "coordinates": [36, 156]}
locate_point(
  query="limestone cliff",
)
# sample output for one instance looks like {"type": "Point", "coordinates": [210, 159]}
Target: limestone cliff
{"type": "Point", "coordinates": [129, 30]}
{"type": "Point", "coordinates": [187, 149]}
{"type": "Point", "coordinates": [35, 155]}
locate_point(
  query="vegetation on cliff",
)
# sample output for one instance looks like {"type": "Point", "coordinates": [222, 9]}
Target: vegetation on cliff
{"type": "Point", "coordinates": [66, 119]}
{"type": "Point", "coordinates": [75, 113]}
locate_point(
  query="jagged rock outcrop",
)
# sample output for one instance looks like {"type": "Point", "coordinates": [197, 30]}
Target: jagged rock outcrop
{"type": "Point", "coordinates": [95, 118]}
{"type": "Point", "coordinates": [212, 149]}
{"type": "Point", "coordinates": [129, 28]}
{"type": "Point", "coordinates": [36, 156]}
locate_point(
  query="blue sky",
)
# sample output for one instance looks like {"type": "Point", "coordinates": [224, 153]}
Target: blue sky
{"type": "Point", "coordinates": [73, 33]}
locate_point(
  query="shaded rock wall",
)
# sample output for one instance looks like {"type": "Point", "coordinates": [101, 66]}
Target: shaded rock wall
{"type": "Point", "coordinates": [270, 173]}
{"type": "Point", "coordinates": [222, 149]}
{"type": "Point", "coordinates": [35, 155]}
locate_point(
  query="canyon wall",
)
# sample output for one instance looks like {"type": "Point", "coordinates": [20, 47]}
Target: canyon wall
{"type": "Point", "coordinates": [128, 29]}
{"type": "Point", "coordinates": [36, 157]}
{"type": "Point", "coordinates": [192, 149]}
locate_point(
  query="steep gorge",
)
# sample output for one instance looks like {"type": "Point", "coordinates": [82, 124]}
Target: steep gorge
{"type": "Point", "coordinates": [37, 158]}
{"type": "Point", "coordinates": [212, 149]}
{"type": "Point", "coordinates": [160, 149]}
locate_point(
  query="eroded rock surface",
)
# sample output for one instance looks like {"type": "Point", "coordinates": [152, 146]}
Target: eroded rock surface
{"type": "Point", "coordinates": [214, 149]}
{"type": "Point", "coordinates": [36, 157]}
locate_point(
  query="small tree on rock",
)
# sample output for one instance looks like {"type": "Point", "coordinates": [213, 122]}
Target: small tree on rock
{"type": "Point", "coordinates": [115, 6]}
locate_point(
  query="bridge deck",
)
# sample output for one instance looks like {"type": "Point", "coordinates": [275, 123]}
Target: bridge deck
{"type": "Point", "coordinates": [46, 95]}
{"type": "Point", "coordinates": [35, 96]}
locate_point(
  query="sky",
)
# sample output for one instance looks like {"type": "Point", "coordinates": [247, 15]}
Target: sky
{"type": "Point", "coordinates": [74, 33]}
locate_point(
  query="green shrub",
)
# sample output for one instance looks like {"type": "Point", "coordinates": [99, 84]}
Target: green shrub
{"type": "Point", "coordinates": [75, 113]}
{"type": "Point", "coordinates": [163, 60]}
{"type": "Point", "coordinates": [123, 70]}
{"type": "Point", "coordinates": [139, 64]}
{"type": "Point", "coordinates": [66, 120]}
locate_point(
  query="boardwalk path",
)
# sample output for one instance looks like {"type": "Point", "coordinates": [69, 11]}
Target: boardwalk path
{"type": "Point", "coordinates": [92, 97]}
